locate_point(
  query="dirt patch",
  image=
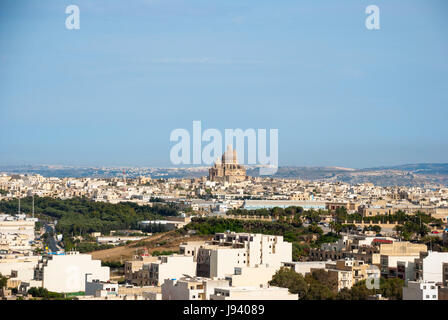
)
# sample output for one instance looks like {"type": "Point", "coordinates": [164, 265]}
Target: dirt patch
{"type": "Point", "coordinates": [166, 241]}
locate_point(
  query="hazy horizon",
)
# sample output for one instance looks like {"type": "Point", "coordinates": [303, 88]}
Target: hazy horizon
{"type": "Point", "coordinates": [207, 166]}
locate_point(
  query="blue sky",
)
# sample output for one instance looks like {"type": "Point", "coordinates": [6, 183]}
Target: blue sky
{"type": "Point", "coordinates": [111, 92]}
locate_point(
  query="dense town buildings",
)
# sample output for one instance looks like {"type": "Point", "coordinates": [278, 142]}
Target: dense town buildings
{"type": "Point", "coordinates": [210, 195]}
{"type": "Point", "coordinates": [231, 265]}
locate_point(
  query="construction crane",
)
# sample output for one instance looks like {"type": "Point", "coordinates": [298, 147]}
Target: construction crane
{"type": "Point", "coordinates": [124, 177]}
{"type": "Point", "coordinates": [124, 180]}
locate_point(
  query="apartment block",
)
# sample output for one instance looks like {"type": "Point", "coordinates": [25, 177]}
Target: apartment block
{"type": "Point", "coordinates": [398, 259]}
{"type": "Point", "coordinates": [67, 272]}
{"type": "Point", "coordinates": [132, 268]}
{"type": "Point", "coordinates": [168, 267]}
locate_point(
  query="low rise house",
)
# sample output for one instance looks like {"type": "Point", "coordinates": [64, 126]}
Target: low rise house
{"type": "Point", "coordinates": [191, 288]}
{"type": "Point", "coordinates": [253, 293]}
{"type": "Point", "coordinates": [251, 276]}
{"type": "Point", "coordinates": [420, 290]}
{"type": "Point", "coordinates": [167, 267]}
{"type": "Point", "coordinates": [304, 267]}
{"type": "Point", "coordinates": [132, 268]}
{"type": "Point", "coordinates": [95, 287]}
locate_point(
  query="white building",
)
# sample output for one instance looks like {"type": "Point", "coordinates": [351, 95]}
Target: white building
{"type": "Point", "coordinates": [172, 223]}
{"type": "Point", "coordinates": [229, 250]}
{"type": "Point", "coordinates": [420, 290]}
{"type": "Point", "coordinates": [18, 267]}
{"type": "Point", "coordinates": [430, 268]}
{"type": "Point", "coordinates": [16, 232]}
{"type": "Point", "coordinates": [251, 276]}
{"type": "Point", "coordinates": [169, 267]}
{"type": "Point", "coordinates": [267, 204]}
{"type": "Point", "coordinates": [98, 288]}
{"type": "Point", "coordinates": [191, 248]}
{"type": "Point", "coordinates": [182, 289]}
{"type": "Point", "coordinates": [304, 267]}
{"type": "Point", "coordinates": [398, 266]}
{"type": "Point", "coordinates": [67, 272]}
{"type": "Point", "coordinates": [193, 288]}
{"type": "Point", "coordinates": [115, 240]}
{"type": "Point", "coordinates": [253, 293]}
{"type": "Point", "coordinates": [217, 262]}
{"type": "Point", "coordinates": [18, 224]}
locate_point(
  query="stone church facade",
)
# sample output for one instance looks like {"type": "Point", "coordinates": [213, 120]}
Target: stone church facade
{"type": "Point", "coordinates": [227, 169]}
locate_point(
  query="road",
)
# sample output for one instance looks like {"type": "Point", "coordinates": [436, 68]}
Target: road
{"type": "Point", "coordinates": [52, 241]}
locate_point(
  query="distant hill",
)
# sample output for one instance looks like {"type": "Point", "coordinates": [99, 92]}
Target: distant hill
{"type": "Point", "coordinates": [306, 173]}
{"type": "Point", "coordinates": [418, 168]}
{"type": "Point", "coordinates": [423, 174]}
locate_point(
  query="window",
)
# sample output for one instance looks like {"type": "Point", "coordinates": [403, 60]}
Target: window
{"type": "Point", "coordinates": [434, 296]}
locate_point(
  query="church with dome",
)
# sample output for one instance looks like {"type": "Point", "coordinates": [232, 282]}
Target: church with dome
{"type": "Point", "coordinates": [227, 169]}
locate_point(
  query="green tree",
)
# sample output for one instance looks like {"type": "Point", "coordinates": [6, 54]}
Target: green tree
{"type": "Point", "coordinates": [44, 293]}
{"type": "Point", "coordinates": [3, 281]}
{"type": "Point", "coordinates": [392, 288]}
{"type": "Point", "coordinates": [314, 228]}
{"type": "Point", "coordinates": [358, 291]}
{"type": "Point", "coordinates": [287, 278]}
{"type": "Point", "coordinates": [80, 216]}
